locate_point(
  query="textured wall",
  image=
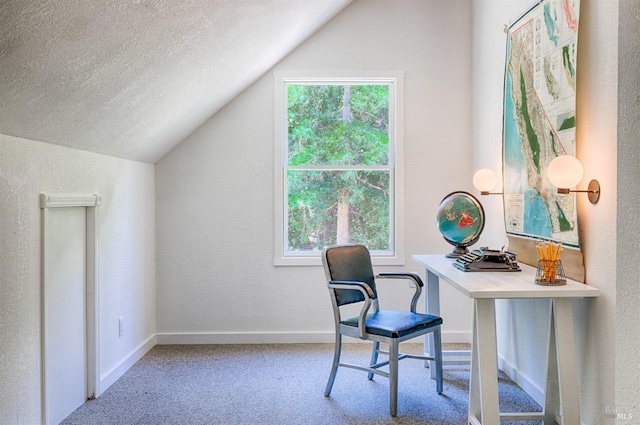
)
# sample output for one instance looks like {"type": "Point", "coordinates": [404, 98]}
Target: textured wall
{"type": "Point", "coordinates": [596, 141]}
{"type": "Point", "coordinates": [215, 192]}
{"type": "Point", "coordinates": [126, 260]}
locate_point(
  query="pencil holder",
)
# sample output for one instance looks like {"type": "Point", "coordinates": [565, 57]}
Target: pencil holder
{"type": "Point", "coordinates": [550, 273]}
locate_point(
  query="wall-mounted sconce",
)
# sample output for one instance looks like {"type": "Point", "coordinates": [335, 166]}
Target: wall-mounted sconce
{"type": "Point", "coordinates": [485, 180]}
{"type": "Point", "coordinates": [566, 171]}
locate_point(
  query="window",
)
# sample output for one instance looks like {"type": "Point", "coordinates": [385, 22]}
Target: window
{"type": "Point", "coordinates": [337, 165]}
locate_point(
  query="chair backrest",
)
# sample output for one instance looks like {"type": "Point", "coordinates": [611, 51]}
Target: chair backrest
{"type": "Point", "coordinates": [349, 262]}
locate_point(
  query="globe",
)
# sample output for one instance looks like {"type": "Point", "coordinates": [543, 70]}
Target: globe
{"type": "Point", "coordinates": [460, 221]}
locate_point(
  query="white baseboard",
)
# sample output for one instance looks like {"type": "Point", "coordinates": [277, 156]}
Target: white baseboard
{"type": "Point", "coordinates": [534, 391]}
{"type": "Point", "coordinates": [243, 338]}
{"type": "Point", "coordinates": [116, 373]}
{"type": "Point", "coordinates": [274, 338]}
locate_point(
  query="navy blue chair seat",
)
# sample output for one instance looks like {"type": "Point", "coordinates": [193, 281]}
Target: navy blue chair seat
{"type": "Point", "coordinates": [395, 324]}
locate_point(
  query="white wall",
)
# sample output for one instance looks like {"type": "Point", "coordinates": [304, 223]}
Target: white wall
{"type": "Point", "coordinates": [215, 191]}
{"type": "Point", "coordinates": [521, 322]}
{"type": "Point", "coordinates": [126, 263]}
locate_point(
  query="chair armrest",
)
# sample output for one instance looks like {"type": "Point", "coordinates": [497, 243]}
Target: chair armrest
{"type": "Point", "coordinates": [349, 284]}
{"type": "Point", "coordinates": [368, 296]}
{"type": "Point", "coordinates": [401, 275]}
{"type": "Point", "coordinates": [411, 276]}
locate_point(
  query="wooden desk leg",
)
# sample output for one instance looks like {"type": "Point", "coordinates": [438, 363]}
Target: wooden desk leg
{"type": "Point", "coordinates": [431, 306]}
{"type": "Point", "coordinates": [566, 357]}
{"type": "Point", "coordinates": [483, 386]}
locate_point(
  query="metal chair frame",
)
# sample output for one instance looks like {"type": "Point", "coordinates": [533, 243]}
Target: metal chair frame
{"type": "Point", "coordinates": [371, 305]}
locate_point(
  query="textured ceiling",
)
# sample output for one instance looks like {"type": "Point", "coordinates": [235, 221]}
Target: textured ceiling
{"type": "Point", "coordinates": [133, 78]}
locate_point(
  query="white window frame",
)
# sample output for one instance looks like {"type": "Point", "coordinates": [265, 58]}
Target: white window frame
{"type": "Point", "coordinates": [395, 80]}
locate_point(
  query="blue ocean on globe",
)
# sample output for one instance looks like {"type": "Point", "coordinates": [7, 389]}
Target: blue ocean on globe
{"type": "Point", "coordinates": [453, 233]}
{"type": "Point", "coordinates": [459, 219]}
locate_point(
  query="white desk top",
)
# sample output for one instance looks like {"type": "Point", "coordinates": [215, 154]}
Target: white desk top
{"type": "Point", "coordinates": [501, 284]}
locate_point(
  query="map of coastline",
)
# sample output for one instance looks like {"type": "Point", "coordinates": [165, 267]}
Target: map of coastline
{"type": "Point", "coordinates": [539, 120]}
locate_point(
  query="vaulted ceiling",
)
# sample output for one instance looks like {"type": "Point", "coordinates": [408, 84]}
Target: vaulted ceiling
{"type": "Point", "coordinates": [133, 78]}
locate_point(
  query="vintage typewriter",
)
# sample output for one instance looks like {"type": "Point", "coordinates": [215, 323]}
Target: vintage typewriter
{"type": "Point", "coordinates": [487, 260]}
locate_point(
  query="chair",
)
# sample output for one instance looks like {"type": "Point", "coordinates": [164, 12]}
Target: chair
{"type": "Point", "coordinates": [351, 280]}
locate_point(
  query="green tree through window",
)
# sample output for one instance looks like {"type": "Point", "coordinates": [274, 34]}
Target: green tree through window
{"type": "Point", "coordinates": [338, 175]}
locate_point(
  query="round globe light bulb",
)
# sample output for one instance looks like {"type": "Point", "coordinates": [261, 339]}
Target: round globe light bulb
{"type": "Point", "coordinates": [485, 180]}
{"type": "Point", "coordinates": [565, 172]}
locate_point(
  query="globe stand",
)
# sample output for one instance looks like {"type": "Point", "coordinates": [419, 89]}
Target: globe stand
{"type": "Point", "coordinates": [458, 251]}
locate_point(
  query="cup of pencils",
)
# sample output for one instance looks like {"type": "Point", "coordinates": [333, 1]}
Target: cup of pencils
{"type": "Point", "coordinates": [550, 271]}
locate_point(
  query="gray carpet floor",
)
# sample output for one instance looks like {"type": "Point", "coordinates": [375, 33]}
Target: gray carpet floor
{"type": "Point", "coordinates": [281, 384]}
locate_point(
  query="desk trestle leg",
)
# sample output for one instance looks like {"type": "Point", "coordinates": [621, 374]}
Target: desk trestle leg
{"type": "Point", "coordinates": [561, 396]}
{"type": "Point", "coordinates": [483, 386]}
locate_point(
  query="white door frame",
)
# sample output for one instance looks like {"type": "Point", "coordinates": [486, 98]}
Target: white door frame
{"type": "Point", "coordinates": [90, 203]}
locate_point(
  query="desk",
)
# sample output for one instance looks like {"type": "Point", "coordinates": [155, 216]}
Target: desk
{"type": "Point", "coordinates": [561, 394]}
